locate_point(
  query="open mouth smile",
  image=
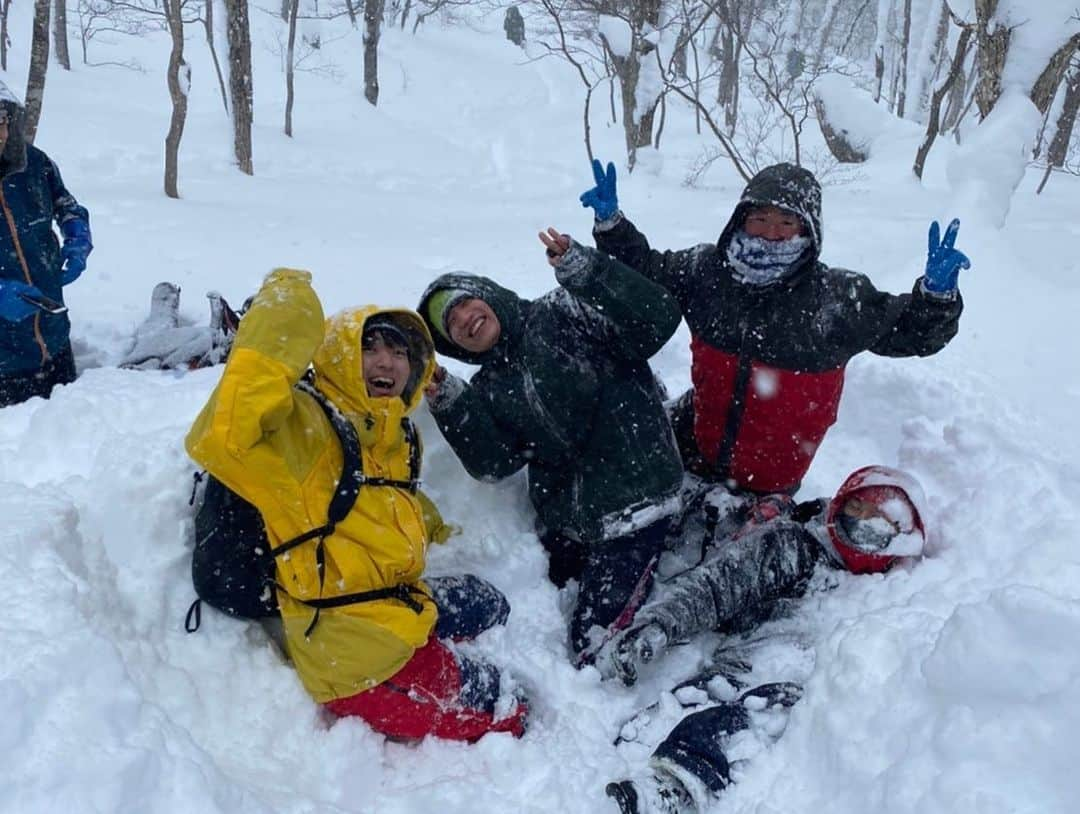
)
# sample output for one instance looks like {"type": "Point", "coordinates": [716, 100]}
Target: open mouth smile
{"type": "Point", "coordinates": [381, 383]}
{"type": "Point", "coordinates": [475, 326]}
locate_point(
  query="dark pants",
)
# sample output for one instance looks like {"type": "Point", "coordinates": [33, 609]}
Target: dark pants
{"type": "Point", "coordinates": [467, 606]}
{"type": "Point", "coordinates": [60, 369]}
{"type": "Point", "coordinates": [696, 744]}
{"type": "Point", "coordinates": [614, 579]}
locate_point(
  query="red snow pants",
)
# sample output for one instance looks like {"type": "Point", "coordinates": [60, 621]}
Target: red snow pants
{"type": "Point", "coordinates": [437, 693]}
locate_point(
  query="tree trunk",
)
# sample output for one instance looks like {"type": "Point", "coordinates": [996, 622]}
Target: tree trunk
{"type": "Point", "coordinates": [1059, 147]}
{"type": "Point", "coordinates": [209, 21]}
{"type": "Point", "coordinates": [179, 80]}
{"type": "Point", "coordinates": [993, 50]}
{"type": "Point", "coordinates": [727, 96]}
{"type": "Point", "coordinates": [290, 61]}
{"type": "Point", "coordinates": [902, 67]}
{"type": "Point", "coordinates": [837, 140]}
{"type": "Point", "coordinates": [240, 85]}
{"type": "Point", "coordinates": [1046, 86]}
{"type": "Point", "coordinates": [60, 33]}
{"type": "Point", "coordinates": [5, 5]}
{"type": "Point", "coordinates": [373, 10]}
{"type": "Point", "coordinates": [933, 122]}
{"type": "Point", "coordinates": [39, 64]}
{"type": "Point", "coordinates": [351, 9]}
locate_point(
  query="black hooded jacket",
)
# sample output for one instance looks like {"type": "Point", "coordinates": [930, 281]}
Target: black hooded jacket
{"type": "Point", "coordinates": [567, 391]}
{"type": "Point", "coordinates": [768, 361]}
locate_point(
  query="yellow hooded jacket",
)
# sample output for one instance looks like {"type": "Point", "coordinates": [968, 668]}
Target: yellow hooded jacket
{"type": "Point", "coordinates": [273, 445]}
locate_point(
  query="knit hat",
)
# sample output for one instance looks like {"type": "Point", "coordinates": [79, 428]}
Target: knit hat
{"type": "Point", "coordinates": [390, 330]}
{"type": "Point", "coordinates": [439, 306]}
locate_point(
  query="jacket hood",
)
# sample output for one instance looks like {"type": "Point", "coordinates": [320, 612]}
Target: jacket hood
{"type": "Point", "coordinates": [339, 370]}
{"type": "Point", "coordinates": [13, 157]}
{"type": "Point", "coordinates": [785, 186]}
{"type": "Point", "coordinates": [899, 497]}
{"type": "Point", "coordinates": [508, 307]}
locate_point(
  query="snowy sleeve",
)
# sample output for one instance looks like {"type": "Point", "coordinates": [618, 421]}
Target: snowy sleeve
{"type": "Point", "coordinates": [637, 315]}
{"type": "Point", "coordinates": [487, 450]}
{"type": "Point", "coordinates": [64, 205]}
{"type": "Point", "coordinates": [672, 270]}
{"type": "Point", "coordinates": [276, 341]}
{"type": "Point", "coordinates": [915, 324]}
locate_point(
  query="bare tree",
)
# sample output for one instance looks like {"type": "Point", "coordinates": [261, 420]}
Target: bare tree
{"type": "Point", "coordinates": [240, 82]}
{"type": "Point", "coordinates": [373, 11]}
{"type": "Point", "coordinates": [39, 65]}
{"type": "Point", "coordinates": [179, 81]}
{"type": "Point", "coordinates": [5, 40]}
{"type": "Point", "coordinates": [954, 76]}
{"type": "Point", "coordinates": [60, 33]}
{"type": "Point", "coordinates": [290, 66]}
{"type": "Point", "coordinates": [1066, 123]}
{"type": "Point", "coordinates": [902, 63]}
{"type": "Point", "coordinates": [208, 23]}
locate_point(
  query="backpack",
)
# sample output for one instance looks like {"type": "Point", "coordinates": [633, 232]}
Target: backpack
{"type": "Point", "coordinates": [233, 564]}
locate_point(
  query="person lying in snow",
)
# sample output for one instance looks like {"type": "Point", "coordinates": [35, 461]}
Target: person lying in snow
{"type": "Point", "coordinates": [565, 389]}
{"type": "Point", "coordinates": [773, 328]}
{"type": "Point", "coordinates": [164, 342]}
{"type": "Point", "coordinates": [388, 658]}
{"type": "Point", "coordinates": [764, 554]}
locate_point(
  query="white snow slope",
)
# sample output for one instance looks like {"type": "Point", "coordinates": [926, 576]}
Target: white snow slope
{"type": "Point", "coordinates": [947, 686]}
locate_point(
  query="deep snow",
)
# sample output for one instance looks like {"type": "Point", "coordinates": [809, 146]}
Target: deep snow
{"type": "Point", "coordinates": [949, 686]}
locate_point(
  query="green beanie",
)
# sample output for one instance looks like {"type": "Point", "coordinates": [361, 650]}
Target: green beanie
{"type": "Point", "coordinates": [439, 306]}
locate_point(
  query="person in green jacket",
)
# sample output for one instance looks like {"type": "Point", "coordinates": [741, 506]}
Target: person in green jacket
{"type": "Point", "coordinates": [565, 390]}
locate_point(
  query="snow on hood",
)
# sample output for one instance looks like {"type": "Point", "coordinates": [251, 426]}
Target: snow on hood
{"type": "Point", "coordinates": [785, 186]}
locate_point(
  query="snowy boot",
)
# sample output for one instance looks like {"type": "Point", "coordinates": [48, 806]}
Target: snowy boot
{"type": "Point", "coordinates": [657, 793]}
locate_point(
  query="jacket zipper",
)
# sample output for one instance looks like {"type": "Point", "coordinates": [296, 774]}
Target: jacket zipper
{"type": "Point", "coordinates": [45, 355]}
{"type": "Point", "coordinates": [738, 406]}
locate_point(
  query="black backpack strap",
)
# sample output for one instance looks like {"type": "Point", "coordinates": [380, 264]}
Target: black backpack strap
{"type": "Point", "coordinates": [341, 503]}
{"type": "Point", "coordinates": [352, 466]}
{"type": "Point", "coordinates": [403, 593]}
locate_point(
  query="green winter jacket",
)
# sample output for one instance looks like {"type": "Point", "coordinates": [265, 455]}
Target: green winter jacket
{"type": "Point", "coordinates": [567, 391]}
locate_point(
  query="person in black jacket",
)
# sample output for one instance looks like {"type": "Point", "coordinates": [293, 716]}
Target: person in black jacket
{"type": "Point", "coordinates": [35, 346]}
{"type": "Point", "coordinates": [565, 390]}
{"type": "Point", "coordinates": [773, 328]}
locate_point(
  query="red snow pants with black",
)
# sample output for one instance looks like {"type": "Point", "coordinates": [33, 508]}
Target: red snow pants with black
{"type": "Point", "coordinates": [439, 691]}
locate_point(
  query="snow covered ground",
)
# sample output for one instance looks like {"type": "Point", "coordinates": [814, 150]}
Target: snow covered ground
{"type": "Point", "coordinates": [950, 686]}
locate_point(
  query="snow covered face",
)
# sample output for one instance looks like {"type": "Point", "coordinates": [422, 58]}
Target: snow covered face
{"type": "Point", "coordinates": [773, 223]}
{"type": "Point", "coordinates": [872, 521]}
{"type": "Point", "coordinates": [473, 326]}
{"type": "Point", "coordinates": [386, 365]}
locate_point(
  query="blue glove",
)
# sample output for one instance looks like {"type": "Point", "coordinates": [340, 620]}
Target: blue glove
{"type": "Point", "coordinates": [943, 262]}
{"type": "Point", "coordinates": [14, 308]}
{"type": "Point", "coordinates": [602, 197]}
{"type": "Point", "coordinates": [76, 247]}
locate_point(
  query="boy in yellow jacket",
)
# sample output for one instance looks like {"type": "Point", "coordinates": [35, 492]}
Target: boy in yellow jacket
{"type": "Point", "coordinates": [383, 659]}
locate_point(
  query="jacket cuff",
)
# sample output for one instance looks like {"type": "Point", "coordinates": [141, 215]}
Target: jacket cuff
{"type": "Point", "coordinates": [575, 265]}
{"type": "Point", "coordinates": [449, 391]}
{"type": "Point", "coordinates": [941, 296]}
{"type": "Point", "coordinates": [608, 223]}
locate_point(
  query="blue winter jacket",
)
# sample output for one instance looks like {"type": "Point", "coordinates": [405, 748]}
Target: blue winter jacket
{"type": "Point", "coordinates": [30, 200]}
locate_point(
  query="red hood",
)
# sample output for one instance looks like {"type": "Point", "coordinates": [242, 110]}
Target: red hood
{"type": "Point", "coordinates": [900, 497]}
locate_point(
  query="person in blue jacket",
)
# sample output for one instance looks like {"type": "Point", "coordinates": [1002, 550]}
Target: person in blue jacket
{"type": "Point", "coordinates": [35, 343]}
